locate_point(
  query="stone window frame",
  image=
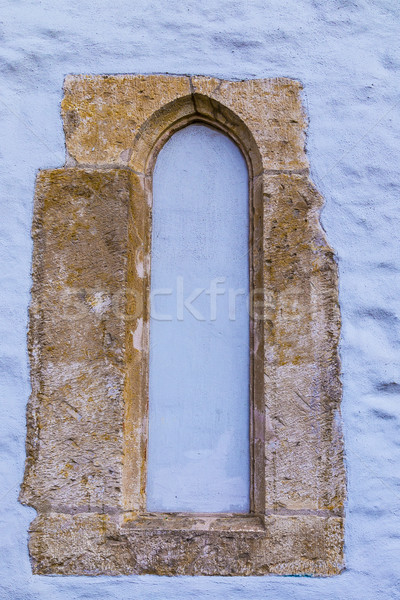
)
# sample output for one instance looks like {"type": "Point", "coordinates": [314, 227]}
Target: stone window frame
{"type": "Point", "coordinates": [89, 340]}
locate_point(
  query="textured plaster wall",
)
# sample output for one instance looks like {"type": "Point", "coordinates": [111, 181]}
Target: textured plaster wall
{"type": "Point", "coordinates": [347, 56]}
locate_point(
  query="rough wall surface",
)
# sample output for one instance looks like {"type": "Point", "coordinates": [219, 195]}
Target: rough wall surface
{"type": "Point", "coordinates": [346, 55]}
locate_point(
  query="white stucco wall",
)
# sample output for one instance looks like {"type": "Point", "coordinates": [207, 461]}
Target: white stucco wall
{"type": "Point", "coordinates": [347, 55]}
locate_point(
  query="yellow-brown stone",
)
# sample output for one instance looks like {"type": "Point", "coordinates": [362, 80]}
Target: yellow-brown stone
{"type": "Point", "coordinates": [89, 340]}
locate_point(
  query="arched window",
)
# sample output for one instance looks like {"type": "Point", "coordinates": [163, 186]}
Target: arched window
{"type": "Point", "coordinates": [89, 338]}
{"type": "Point", "coordinates": [199, 449]}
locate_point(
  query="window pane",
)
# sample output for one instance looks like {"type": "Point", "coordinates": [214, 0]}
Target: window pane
{"type": "Point", "coordinates": [199, 333]}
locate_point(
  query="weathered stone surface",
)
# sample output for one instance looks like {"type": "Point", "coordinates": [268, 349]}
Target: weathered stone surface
{"type": "Point", "coordinates": [77, 340]}
{"type": "Point", "coordinates": [302, 386]}
{"type": "Point", "coordinates": [103, 114]}
{"type": "Point", "coordinates": [270, 108]}
{"type": "Point", "coordinates": [97, 544]}
{"type": "Point", "coordinates": [89, 341]}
